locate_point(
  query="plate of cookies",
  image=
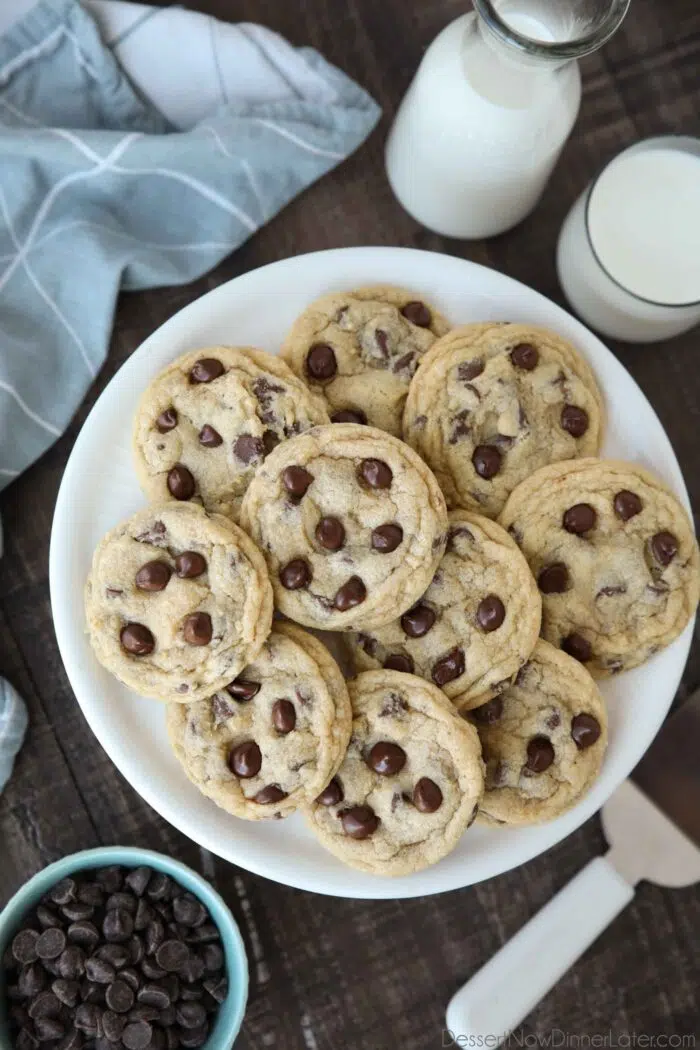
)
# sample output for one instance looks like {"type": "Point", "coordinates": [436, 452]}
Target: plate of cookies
{"type": "Point", "coordinates": [373, 573]}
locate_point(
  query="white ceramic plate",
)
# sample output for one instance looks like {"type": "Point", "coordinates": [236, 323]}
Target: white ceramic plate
{"type": "Point", "coordinates": [99, 489]}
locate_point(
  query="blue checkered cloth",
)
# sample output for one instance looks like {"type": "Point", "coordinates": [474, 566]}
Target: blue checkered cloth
{"type": "Point", "coordinates": [100, 192]}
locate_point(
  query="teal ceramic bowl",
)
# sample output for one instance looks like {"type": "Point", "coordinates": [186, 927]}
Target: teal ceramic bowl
{"type": "Point", "coordinates": [230, 1015]}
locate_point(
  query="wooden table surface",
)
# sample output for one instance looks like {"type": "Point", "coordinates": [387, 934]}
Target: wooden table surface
{"type": "Point", "coordinates": [326, 973]}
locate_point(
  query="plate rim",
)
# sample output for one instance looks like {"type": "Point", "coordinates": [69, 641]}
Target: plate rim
{"type": "Point", "coordinates": [385, 888]}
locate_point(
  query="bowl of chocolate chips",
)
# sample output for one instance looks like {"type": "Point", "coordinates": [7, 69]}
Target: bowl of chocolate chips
{"type": "Point", "coordinates": [120, 949]}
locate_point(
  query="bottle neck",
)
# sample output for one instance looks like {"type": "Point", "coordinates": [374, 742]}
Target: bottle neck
{"type": "Point", "coordinates": [548, 33]}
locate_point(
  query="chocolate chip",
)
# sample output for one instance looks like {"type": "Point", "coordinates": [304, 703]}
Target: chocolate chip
{"type": "Point", "coordinates": [112, 1026]}
{"type": "Point", "coordinates": [99, 970]}
{"type": "Point", "coordinates": [180, 482]}
{"type": "Point", "coordinates": [491, 613]}
{"type": "Point", "coordinates": [579, 518]}
{"type": "Point", "coordinates": [153, 576]}
{"type": "Point", "coordinates": [399, 662]}
{"type": "Point", "coordinates": [64, 891]}
{"type": "Point", "coordinates": [427, 796]}
{"type": "Point", "coordinates": [469, 370]}
{"type": "Point", "coordinates": [270, 441]}
{"type": "Point", "coordinates": [77, 910]}
{"type": "Point", "coordinates": [131, 978]}
{"type": "Point", "coordinates": [664, 547]}
{"type": "Point", "coordinates": [284, 716]}
{"type": "Point", "coordinates": [525, 356]}
{"type": "Point", "coordinates": [83, 934]}
{"type": "Point", "coordinates": [138, 1034]}
{"type": "Point", "coordinates": [349, 415]}
{"type": "Point", "coordinates": [167, 420]}
{"type": "Point", "coordinates": [574, 420]}
{"type": "Point", "coordinates": [330, 533]}
{"type": "Point", "coordinates": [120, 996]}
{"type": "Point", "coordinates": [448, 667]}
{"type": "Point", "coordinates": [540, 754]}
{"type": "Point", "coordinates": [585, 730]}
{"type": "Point", "coordinates": [47, 916]}
{"type": "Point", "coordinates": [320, 362]}
{"type": "Point", "coordinates": [192, 1038]}
{"type": "Point", "coordinates": [87, 1018]}
{"type": "Point", "coordinates": [247, 448]}
{"type": "Point", "coordinates": [91, 893]}
{"type": "Point", "coordinates": [242, 689]}
{"type": "Point", "coordinates": [418, 621]}
{"type": "Point", "coordinates": [627, 504]}
{"type": "Point", "coordinates": [350, 594]}
{"type": "Point", "coordinates": [115, 954]}
{"type": "Point", "coordinates": [417, 313]}
{"type": "Point", "coordinates": [188, 911]}
{"type": "Point", "coordinates": [245, 759]}
{"type": "Point", "coordinates": [160, 887]}
{"type": "Point", "coordinates": [137, 639]}
{"type": "Point", "coordinates": [190, 1015]}
{"type": "Point", "coordinates": [611, 591]}
{"type": "Point", "coordinates": [31, 980]}
{"type": "Point", "coordinates": [206, 369]}
{"type": "Point", "coordinates": [269, 795]}
{"type": "Point", "coordinates": [151, 970]}
{"type": "Point", "coordinates": [209, 437]}
{"type": "Point", "coordinates": [386, 758]}
{"type": "Point", "coordinates": [48, 1029]}
{"type": "Point", "coordinates": [24, 946]}
{"type": "Point", "coordinates": [117, 927]}
{"type": "Point", "coordinates": [51, 943]}
{"type": "Point", "coordinates": [332, 794]}
{"type": "Point", "coordinates": [217, 988]}
{"type": "Point", "coordinates": [489, 712]}
{"type": "Point", "coordinates": [296, 574]}
{"type": "Point", "coordinates": [66, 992]}
{"type": "Point", "coordinates": [173, 954]}
{"type": "Point", "coordinates": [213, 958]}
{"type": "Point", "coordinates": [191, 971]}
{"type": "Point", "coordinates": [578, 647]}
{"type": "Point", "coordinates": [197, 628]}
{"type": "Point", "coordinates": [154, 937]}
{"type": "Point", "coordinates": [136, 950]}
{"type": "Point", "coordinates": [386, 538]}
{"type": "Point", "coordinates": [554, 578]}
{"type": "Point", "coordinates": [296, 480]}
{"type": "Point", "coordinates": [487, 461]}
{"type": "Point", "coordinates": [359, 822]}
{"type": "Point", "coordinates": [154, 995]}
{"type": "Point", "coordinates": [189, 565]}
{"type": "Point", "coordinates": [382, 340]}
{"type": "Point", "coordinates": [375, 473]}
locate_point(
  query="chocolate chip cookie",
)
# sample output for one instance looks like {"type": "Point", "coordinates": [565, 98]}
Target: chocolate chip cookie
{"type": "Point", "coordinates": [543, 740]}
{"type": "Point", "coordinates": [274, 736]}
{"type": "Point", "coordinates": [352, 524]}
{"type": "Point", "coordinates": [614, 556]}
{"type": "Point", "coordinates": [492, 403]}
{"type": "Point", "coordinates": [360, 350]}
{"type": "Point", "coordinates": [476, 624]}
{"type": "Point", "coordinates": [178, 601]}
{"type": "Point", "coordinates": [208, 420]}
{"type": "Point", "coordinates": [410, 782]}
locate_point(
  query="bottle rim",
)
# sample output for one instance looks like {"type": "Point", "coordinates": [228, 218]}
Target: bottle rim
{"type": "Point", "coordinates": [558, 50]}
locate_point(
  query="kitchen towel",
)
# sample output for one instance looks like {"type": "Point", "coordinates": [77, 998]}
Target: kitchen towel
{"type": "Point", "coordinates": [139, 146]}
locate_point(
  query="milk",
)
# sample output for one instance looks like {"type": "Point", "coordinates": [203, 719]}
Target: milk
{"type": "Point", "coordinates": [629, 252]}
{"type": "Point", "coordinates": [480, 130]}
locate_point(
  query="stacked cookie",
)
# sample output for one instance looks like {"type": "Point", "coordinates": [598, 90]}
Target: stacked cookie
{"type": "Point", "coordinates": [354, 485]}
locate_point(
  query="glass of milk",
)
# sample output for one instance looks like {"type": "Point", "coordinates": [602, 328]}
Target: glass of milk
{"type": "Point", "coordinates": [628, 256]}
{"type": "Point", "coordinates": [481, 127]}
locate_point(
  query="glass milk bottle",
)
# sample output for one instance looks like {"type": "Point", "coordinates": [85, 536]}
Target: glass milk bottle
{"type": "Point", "coordinates": [489, 110]}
